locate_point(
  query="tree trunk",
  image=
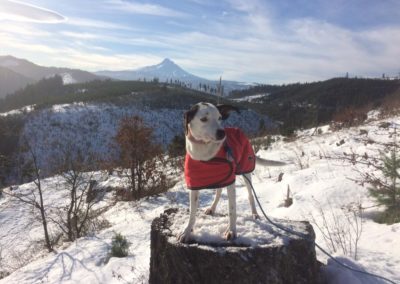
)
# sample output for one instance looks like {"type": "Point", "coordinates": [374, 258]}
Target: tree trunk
{"type": "Point", "coordinates": [44, 223]}
{"type": "Point", "coordinates": [275, 262]}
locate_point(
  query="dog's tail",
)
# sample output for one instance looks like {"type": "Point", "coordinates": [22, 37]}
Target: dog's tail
{"type": "Point", "coordinates": [269, 163]}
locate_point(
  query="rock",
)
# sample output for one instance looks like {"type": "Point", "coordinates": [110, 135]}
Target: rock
{"type": "Point", "coordinates": [260, 254]}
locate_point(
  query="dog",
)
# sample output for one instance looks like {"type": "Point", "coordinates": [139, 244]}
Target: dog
{"type": "Point", "coordinates": [214, 156]}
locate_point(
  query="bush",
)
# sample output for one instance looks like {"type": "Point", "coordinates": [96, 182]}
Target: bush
{"type": "Point", "coordinates": [177, 146]}
{"type": "Point", "coordinates": [119, 246]}
{"type": "Point", "coordinates": [350, 116]}
{"type": "Point", "coordinates": [262, 143]}
{"type": "Point", "coordinates": [142, 157]}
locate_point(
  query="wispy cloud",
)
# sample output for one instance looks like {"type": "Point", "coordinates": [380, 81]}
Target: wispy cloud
{"type": "Point", "coordinates": [22, 29]}
{"type": "Point", "coordinates": [20, 11]}
{"type": "Point", "coordinates": [145, 9]}
{"type": "Point", "coordinates": [83, 35]}
{"type": "Point", "coordinates": [97, 61]}
{"type": "Point", "coordinates": [98, 24]}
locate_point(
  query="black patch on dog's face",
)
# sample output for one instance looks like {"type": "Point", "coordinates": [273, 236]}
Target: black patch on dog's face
{"type": "Point", "coordinates": [188, 116]}
{"type": "Point", "coordinates": [225, 110]}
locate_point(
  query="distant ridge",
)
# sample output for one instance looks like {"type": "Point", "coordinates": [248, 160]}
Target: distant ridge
{"type": "Point", "coordinates": [16, 73]}
{"type": "Point", "coordinates": [11, 81]}
{"type": "Point", "coordinates": [169, 71]}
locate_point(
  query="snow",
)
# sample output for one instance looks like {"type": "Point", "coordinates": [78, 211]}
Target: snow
{"type": "Point", "coordinates": [90, 128]}
{"type": "Point", "coordinates": [210, 230]}
{"type": "Point", "coordinates": [67, 78]}
{"type": "Point", "coordinates": [316, 180]}
{"type": "Point", "coordinates": [25, 109]}
{"type": "Point", "coordinates": [252, 98]}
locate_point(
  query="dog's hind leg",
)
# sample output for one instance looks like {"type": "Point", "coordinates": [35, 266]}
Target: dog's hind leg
{"type": "Point", "coordinates": [230, 233]}
{"type": "Point", "coordinates": [194, 204]}
{"type": "Point", "coordinates": [247, 181]}
{"type": "Point", "coordinates": [211, 210]}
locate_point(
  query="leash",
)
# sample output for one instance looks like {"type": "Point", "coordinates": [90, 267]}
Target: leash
{"type": "Point", "coordinates": [288, 230]}
{"type": "Point", "coordinates": [303, 236]}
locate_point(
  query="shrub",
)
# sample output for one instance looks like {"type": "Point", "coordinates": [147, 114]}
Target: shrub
{"type": "Point", "coordinates": [350, 116]}
{"type": "Point", "coordinates": [119, 246]}
{"type": "Point", "coordinates": [391, 105]}
{"type": "Point", "coordinates": [177, 146]}
{"type": "Point", "coordinates": [142, 157]}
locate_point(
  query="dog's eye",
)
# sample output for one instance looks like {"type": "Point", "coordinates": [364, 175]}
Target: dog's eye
{"type": "Point", "coordinates": [204, 119]}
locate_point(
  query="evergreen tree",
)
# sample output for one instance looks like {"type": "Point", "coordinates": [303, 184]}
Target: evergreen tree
{"type": "Point", "coordinates": [387, 191]}
{"type": "Point", "coordinates": [119, 246]}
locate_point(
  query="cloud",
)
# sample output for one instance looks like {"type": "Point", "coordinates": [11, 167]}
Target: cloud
{"type": "Point", "coordinates": [83, 36]}
{"type": "Point", "coordinates": [22, 29]}
{"type": "Point", "coordinates": [248, 44]}
{"type": "Point", "coordinates": [98, 24]}
{"type": "Point", "coordinates": [96, 61]}
{"type": "Point", "coordinates": [299, 50]}
{"type": "Point", "coordinates": [144, 9]}
{"type": "Point", "coordinates": [19, 11]}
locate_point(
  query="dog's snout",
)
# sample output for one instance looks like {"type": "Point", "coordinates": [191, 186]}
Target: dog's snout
{"type": "Point", "coordinates": [220, 134]}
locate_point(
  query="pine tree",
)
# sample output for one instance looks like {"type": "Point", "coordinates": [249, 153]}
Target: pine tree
{"type": "Point", "coordinates": [387, 192]}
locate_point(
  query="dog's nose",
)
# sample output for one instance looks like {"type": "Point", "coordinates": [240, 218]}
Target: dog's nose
{"type": "Point", "coordinates": [220, 134]}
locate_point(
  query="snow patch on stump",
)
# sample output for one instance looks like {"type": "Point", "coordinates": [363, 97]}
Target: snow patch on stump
{"type": "Point", "coordinates": [260, 254]}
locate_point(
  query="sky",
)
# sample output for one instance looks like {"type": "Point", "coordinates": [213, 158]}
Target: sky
{"type": "Point", "coordinates": [264, 41]}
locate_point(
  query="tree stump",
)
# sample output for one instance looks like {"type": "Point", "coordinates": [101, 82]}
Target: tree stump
{"type": "Point", "coordinates": [260, 254]}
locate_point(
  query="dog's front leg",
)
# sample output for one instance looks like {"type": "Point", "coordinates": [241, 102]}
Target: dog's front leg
{"type": "Point", "coordinates": [230, 233]}
{"type": "Point", "coordinates": [247, 180]}
{"type": "Point", "coordinates": [213, 207]}
{"type": "Point", "coordinates": [194, 203]}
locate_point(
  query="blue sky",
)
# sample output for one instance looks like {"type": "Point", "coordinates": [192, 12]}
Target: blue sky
{"type": "Point", "coordinates": [245, 40]}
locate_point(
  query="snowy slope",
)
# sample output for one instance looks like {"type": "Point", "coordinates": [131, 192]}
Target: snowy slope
{"type": "Point", "coordinates": [321, 182]}
{"type": "Point", "coordinates": [90, 128]}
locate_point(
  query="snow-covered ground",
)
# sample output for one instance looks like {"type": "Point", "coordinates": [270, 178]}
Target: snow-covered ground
{"type": "Point", "coordinates": [316, 180]}
{"type": "Point", "coordinates": [91, 127]}
{"type": "Point", "coordinates": [252, 98]}
{"type": "Point", "coordinates": [22, 110]}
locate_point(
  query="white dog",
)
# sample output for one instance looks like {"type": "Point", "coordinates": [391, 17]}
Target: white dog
{"type": "Point", "coordinates": [214, 155]}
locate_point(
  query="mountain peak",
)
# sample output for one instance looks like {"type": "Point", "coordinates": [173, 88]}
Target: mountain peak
{"type": "Point", "coordinates": [167, 61]}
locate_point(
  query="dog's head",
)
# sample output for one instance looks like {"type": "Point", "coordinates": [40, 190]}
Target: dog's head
{"type": "Point", "coordinates": [203, 122]}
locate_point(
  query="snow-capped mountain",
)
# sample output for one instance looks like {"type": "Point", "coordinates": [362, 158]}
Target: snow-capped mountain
{"type": "Point", "coordinates": [165, 71]}
{"type": "Point", "coordinates": [169, 71]}
{"type": "Point", "coordinates": [25, 72]}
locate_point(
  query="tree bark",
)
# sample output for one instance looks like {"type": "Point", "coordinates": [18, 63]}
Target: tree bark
{"type": "Point", "coordinates": [293, 261]}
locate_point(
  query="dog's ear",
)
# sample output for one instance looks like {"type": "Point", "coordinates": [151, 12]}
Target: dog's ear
{"type": "Point", "coordinates": [188, 116]}
{"type": "Point", "coordinates": [224, 110]}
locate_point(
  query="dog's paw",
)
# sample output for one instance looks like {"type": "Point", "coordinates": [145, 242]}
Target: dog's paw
{"type": "Point", "coordinates": [209, 211]}
{"type": "Point", "coordinates": [230, 235]}
{"type": "Point", "coordinates": [184, 237]}
{"type": "Point", "coordinates": [256, 216]}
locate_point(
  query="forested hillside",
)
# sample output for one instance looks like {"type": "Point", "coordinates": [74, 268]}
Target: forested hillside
{"type": "Point", "coordinates": [153, 93]}
{"type": "Point", "coordinates": [83, 118]}
{"type": "Point", "coordinates": [309, 104]}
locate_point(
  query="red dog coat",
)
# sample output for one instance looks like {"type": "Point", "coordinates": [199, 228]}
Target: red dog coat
{"type": "Point", "coordinates": [221, 171]}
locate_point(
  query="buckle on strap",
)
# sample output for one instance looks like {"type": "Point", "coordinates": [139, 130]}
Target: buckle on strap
{"type": "Point", "coordinates": [229, 153]}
